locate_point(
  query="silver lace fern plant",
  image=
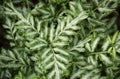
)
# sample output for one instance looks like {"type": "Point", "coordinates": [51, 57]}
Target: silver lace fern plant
{"type": "Point", "coordinates": [55, 39]}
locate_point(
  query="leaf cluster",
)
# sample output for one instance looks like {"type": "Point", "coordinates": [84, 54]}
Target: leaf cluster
{"type": "Point", "coordinates": [60, 39]}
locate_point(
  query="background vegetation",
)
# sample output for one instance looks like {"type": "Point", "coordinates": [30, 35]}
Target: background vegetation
{"type": "Point", "coordinates": [59, 39]}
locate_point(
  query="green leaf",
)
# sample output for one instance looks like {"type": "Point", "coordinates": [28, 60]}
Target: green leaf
{"type": "Point", "coordinates": [104, 9]}
{"type": "Point", "coordinates": [109, 39]}
{"type": "Point", "coordinates": [72, 28]}
{"type": "Point", "coordinates": [51, 74]}
{"type": "Point", "coordinates": [6, 58]}
{"type": "Point", "coordinates": [92, 60]}
{"type": "Point", "coordinates": [94, 44]}
{"type": "Point", "coordinates": [37, 46]}
{"type": "Point", "coordinates": [32, 20]}
{"type": "Point", "coordinates": [50, 65]}
{"type": "Point", "coordinates": [46, 31]}
{"type": "Point", "coordinates": [61, 58]}
{"type": "Point", "coordinates": [12, 55]}
{"type": "Point", "coordinates": [62, 66]}
{"type": "Point", "coordinates": [87, 75]}
{"type": "Point", "coordinates": [69, 32]}
{"type": "Point", "coordinates": [63, 38]}
{"type": "Point", "coordinates": [79, 49]}
{"type": "Point", "coordinates": [105, 59]}
{"type": "Point", "coordinates": [89, 67]}
{"type": "Point", "coordinates": [115, 37]}
{"type": "Point", "coordinates": [51, 36]}
{"type": "Point", "coordinates": [10, 65]}
{"type": "Point", "coordinates": [80, 17]}
{"type": "Point", "coordinates": [77, 74]}
{"type": "Point", "coordinates": [105, 45]}
{"type": "Point", "coordinates": [19, 76]}
{"type": "Point", "coordinates": [95, 22]}
{"type": "Point", "coordinates": [49, 57]}
{"type": "Point", "coordinates": [88, 47]}
{"type": "Point", "coordinates": [38, 26]}
{"type": "Point", "coordinates": [44, 55]}
{"type": "Point", "coordinates": [61, 51]}
{"type": "Point", "coordinates": [59, 44]}
{"type": "Point", "coordinates": [57, 72]}
{"type": "Point", "coordinates": [114, 53]}
{"type": "Point", "coordinates": [82, 42]}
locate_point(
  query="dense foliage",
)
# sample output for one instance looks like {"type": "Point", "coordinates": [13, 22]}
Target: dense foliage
{"type": "Point", "coordinates": [60, 39]}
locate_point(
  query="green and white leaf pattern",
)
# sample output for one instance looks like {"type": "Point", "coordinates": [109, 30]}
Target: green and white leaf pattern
{"type": "Point", "coordinates": [60, 39]}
